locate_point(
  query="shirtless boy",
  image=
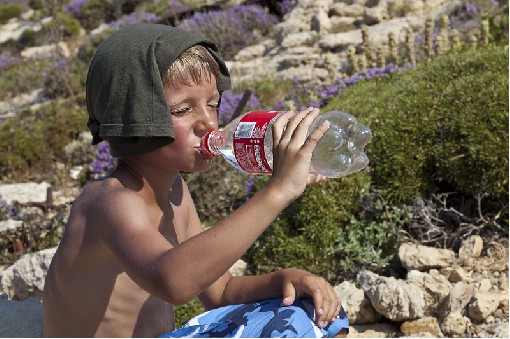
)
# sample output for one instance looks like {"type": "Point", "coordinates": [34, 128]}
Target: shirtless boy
{"type": "Point", "coordinates": [134, 245]}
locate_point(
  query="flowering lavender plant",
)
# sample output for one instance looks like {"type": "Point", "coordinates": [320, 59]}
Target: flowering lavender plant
{"type": "Point", "coordinates": [75, 6]}
{"type": "Point", "coordinates": [6, 212]}
{"type": "Point", "coordinates": [286, 5]}
{"type": "Point", "coordinates": [8, 60]}
{"type": "Point", "coordinates": [232, 29]}
{"type": "Point", "coordinates": [103, 163]}
{"type": "Point", "coordinates": [133, 18]}
{"type": "Point", "coordinates": [64, 78]}
{"type": "Point", "coordinates": [229, 103]}
{"type": "Point", "coordinates": [313, 95]}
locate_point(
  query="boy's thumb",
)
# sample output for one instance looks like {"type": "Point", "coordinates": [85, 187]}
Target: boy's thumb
{"type": "Point", "coordinates": [289, 294]}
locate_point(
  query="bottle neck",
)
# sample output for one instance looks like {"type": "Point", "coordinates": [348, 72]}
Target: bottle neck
{"type": "Point", "coordinates": [210, 143]}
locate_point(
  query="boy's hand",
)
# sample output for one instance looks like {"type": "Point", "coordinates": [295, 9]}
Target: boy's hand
{"type": "Point", "coordinates": [315, 178]}
{"type": "Point", "coordinates": [292, 150]}
{"type": "Point", "coordinates": [297, 283]}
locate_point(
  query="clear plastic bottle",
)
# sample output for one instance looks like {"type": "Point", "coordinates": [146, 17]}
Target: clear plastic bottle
{"type": "Point", "coordinates": [247, 144]}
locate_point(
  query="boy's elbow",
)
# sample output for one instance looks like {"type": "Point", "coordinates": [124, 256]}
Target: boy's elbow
{"type": "Point", "coordinates": [179, 294]}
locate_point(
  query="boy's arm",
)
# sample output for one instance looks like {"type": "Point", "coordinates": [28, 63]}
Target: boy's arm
{"type": "Point", "coordinates": [177, 274]}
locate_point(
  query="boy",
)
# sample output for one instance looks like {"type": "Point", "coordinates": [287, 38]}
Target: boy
{"type": "Point", "coordinates": [134, 245]}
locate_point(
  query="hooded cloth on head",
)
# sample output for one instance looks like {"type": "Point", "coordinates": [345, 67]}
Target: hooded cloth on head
{"type": "Point", "coordinates": [125, 96]}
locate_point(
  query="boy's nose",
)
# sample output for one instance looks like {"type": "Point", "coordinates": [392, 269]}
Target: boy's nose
{"type": "Point", "coordinates": [207, 121]}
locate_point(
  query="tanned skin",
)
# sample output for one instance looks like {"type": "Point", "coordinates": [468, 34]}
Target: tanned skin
{"type": "Point", "coordinates": [134, 245]}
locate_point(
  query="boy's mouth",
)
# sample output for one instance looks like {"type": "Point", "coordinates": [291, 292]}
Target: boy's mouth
{"type": "Point", "coordinates": [204, 153]}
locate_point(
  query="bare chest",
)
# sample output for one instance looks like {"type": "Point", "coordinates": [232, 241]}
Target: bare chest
{"type": "Point", "coordinates": [135, 313]}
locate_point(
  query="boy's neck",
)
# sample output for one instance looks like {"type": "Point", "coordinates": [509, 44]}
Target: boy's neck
{"type": "Point", "coordinates": [152, 183]}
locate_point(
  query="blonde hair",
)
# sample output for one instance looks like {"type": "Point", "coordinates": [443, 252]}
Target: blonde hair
{"type": "Point", "coordinates": [191, 67]}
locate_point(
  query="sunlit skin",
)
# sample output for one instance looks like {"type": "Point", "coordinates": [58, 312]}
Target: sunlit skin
{"type": "Point", "coordinates": [134, 245]}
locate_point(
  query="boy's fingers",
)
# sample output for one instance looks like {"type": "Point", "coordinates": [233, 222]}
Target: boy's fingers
{"type": "Point", "coordinates": [333, 310]}
{"type": "Point", "coordinates": [315, 136]}
{"type": "Point", "coordinates": [327, 303]}
{"type": "Point", "coordinates": [289, 294]}
{"type": "Point", "coordinates": [299, 124]}
{"type": "Point", "coordinates": [279, 126]}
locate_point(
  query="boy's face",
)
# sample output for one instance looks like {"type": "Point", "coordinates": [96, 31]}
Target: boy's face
{"type": "Point", "coordinates": [194, 111]}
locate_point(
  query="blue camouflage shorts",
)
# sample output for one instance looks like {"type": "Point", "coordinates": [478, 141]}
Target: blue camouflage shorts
{"type": "Point", "coordinates": [264, 319]}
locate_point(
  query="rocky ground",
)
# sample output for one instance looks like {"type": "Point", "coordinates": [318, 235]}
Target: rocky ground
{"type": "Point", "coordinates": [445, 294]}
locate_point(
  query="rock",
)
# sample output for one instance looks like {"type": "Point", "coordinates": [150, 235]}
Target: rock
{"type": "Point", "coordinates": [6, 276]}
{"type": "Point", "coordinates": [458, 274]}
{"type": "Point", "coordinates": [375, 15]}
{"type": "Point", "coordinates": [471, 248]}
{"type": "Point", "coordinates": [458, 298]}
{"type": "Point", "coordinates": [342, 24]}
{"type": "Point", "coordinates": [60, 49]}
{"type": "Point", "coordinates": [395, 299]}
{"type": "Point", "coordinates": [483, 305]}
{"type": "Point", "coordinates": [24, 192]}
{"type": "Point", "coordinates": [420, 335]}
{"type": "Point", "coordinates": [321, 22]}
{"type": "Point", "coordinates": [381, 330]}
{"type": "Point", "coordinates": [21, 101]}
{"type": "Point", "coordinates": [455, 324]}
{"type": "Point", "coordinates": [239, 268]}
{"type": "Point", "coordinates": [299, 40]}
{"type": "Point", "coordinates": [357, 306]}
{"type": "Point", "coordinates": [9, 224]}
{"type": "Point", "coordinates": [341, 9]}
{"type": "Point", "coordinates": [26, 277]}
{"type": "Point", "coordinates": [419, 257]}
{"type": "Point", "coordinates": [74, 173]}
{"type": "Point", "coordinates": [250, 53]}
{"type": "Point", "coordinates": [21, 319]}
{"type": "Point", "coordinates": [485, 285]}
{"type": "Point", "coordinates": [435, 286]}
{"type": "Point", "coordinates": [423, 325]}
{"type": "Point", "coordinates": [501, 330]}
{"type": "Point", "coordinates": [15, 27]}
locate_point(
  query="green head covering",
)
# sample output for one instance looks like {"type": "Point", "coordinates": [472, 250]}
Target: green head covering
{"type": "Point", "coordinates": [125, 97]}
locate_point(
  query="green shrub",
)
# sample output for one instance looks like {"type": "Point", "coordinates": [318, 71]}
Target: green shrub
{"type": "Point", "coordinates": [218, 191]}
{"type": "Point", "coordinates": [187, 311]}
{"type": "Point", "coordinates": [373, 236]}
{"type": "Point", "coordinates": [66, 24]}
{"type": "Point", "coordinates": [36, 4]}
{"type": "Point", "coordinates": [30, 142]}
{"type": "Point", "coordinates": [439, 127]}
{"type": "Point", "coordinates": [24, 77]}
{"type": "Point", "coordinates": [90, 44]}
{"type": "Point", "coordinates": [308, 234]}
{"type": "Point", "coordinates": [92, 14]}
{"type": "Point", "coordinates": [27, 38]}
{"type": "Point", "coordinates": [9, 10]}
{"type": "Point", "coordinates": [65, 78]}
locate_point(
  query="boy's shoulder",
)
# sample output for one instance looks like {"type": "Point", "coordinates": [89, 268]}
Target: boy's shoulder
{"type": "Point", "coordinates": [108, 196]}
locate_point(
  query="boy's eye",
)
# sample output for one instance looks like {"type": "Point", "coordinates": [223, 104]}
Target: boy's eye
{"type": "Point", "coordinates": [181, 111]}
{"type": "Point", "coordinates": [214, 106]}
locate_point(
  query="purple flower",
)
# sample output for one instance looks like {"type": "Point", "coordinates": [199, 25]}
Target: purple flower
{"type": "Point", "coordinates": [232, 29]}
{"type": "Point", "coordinates": [229, 103]}
{"type": "Point", "coordinates": [6, 210]}
{"type": "Point", "coordinates": [327, 92]}
{"type": "Point", "coordinates": [61, 63]}
{"type": "Point", "coordinates": [286, 5]}
{"type": "Point", "coordinates": [8, 60]}
{"type": "Point", "coordinates": [472, 9]}
{"type": "Point", "coordinates": [75, 6]}
{"type": "Point", "coordinates": [133, 18]}
{"type": "Point", "coordinates": [104, 162]}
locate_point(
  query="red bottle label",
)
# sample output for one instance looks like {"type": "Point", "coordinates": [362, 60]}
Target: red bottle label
{"type": "Point", "coordinates": [249, 142]}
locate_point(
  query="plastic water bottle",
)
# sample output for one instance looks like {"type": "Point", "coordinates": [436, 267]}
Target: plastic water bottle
{"type": "Point", "coordinates": [247, 144]}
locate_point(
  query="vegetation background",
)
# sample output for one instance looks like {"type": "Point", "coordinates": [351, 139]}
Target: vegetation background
{"type": "Point", "coordinates": [438, 161]}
